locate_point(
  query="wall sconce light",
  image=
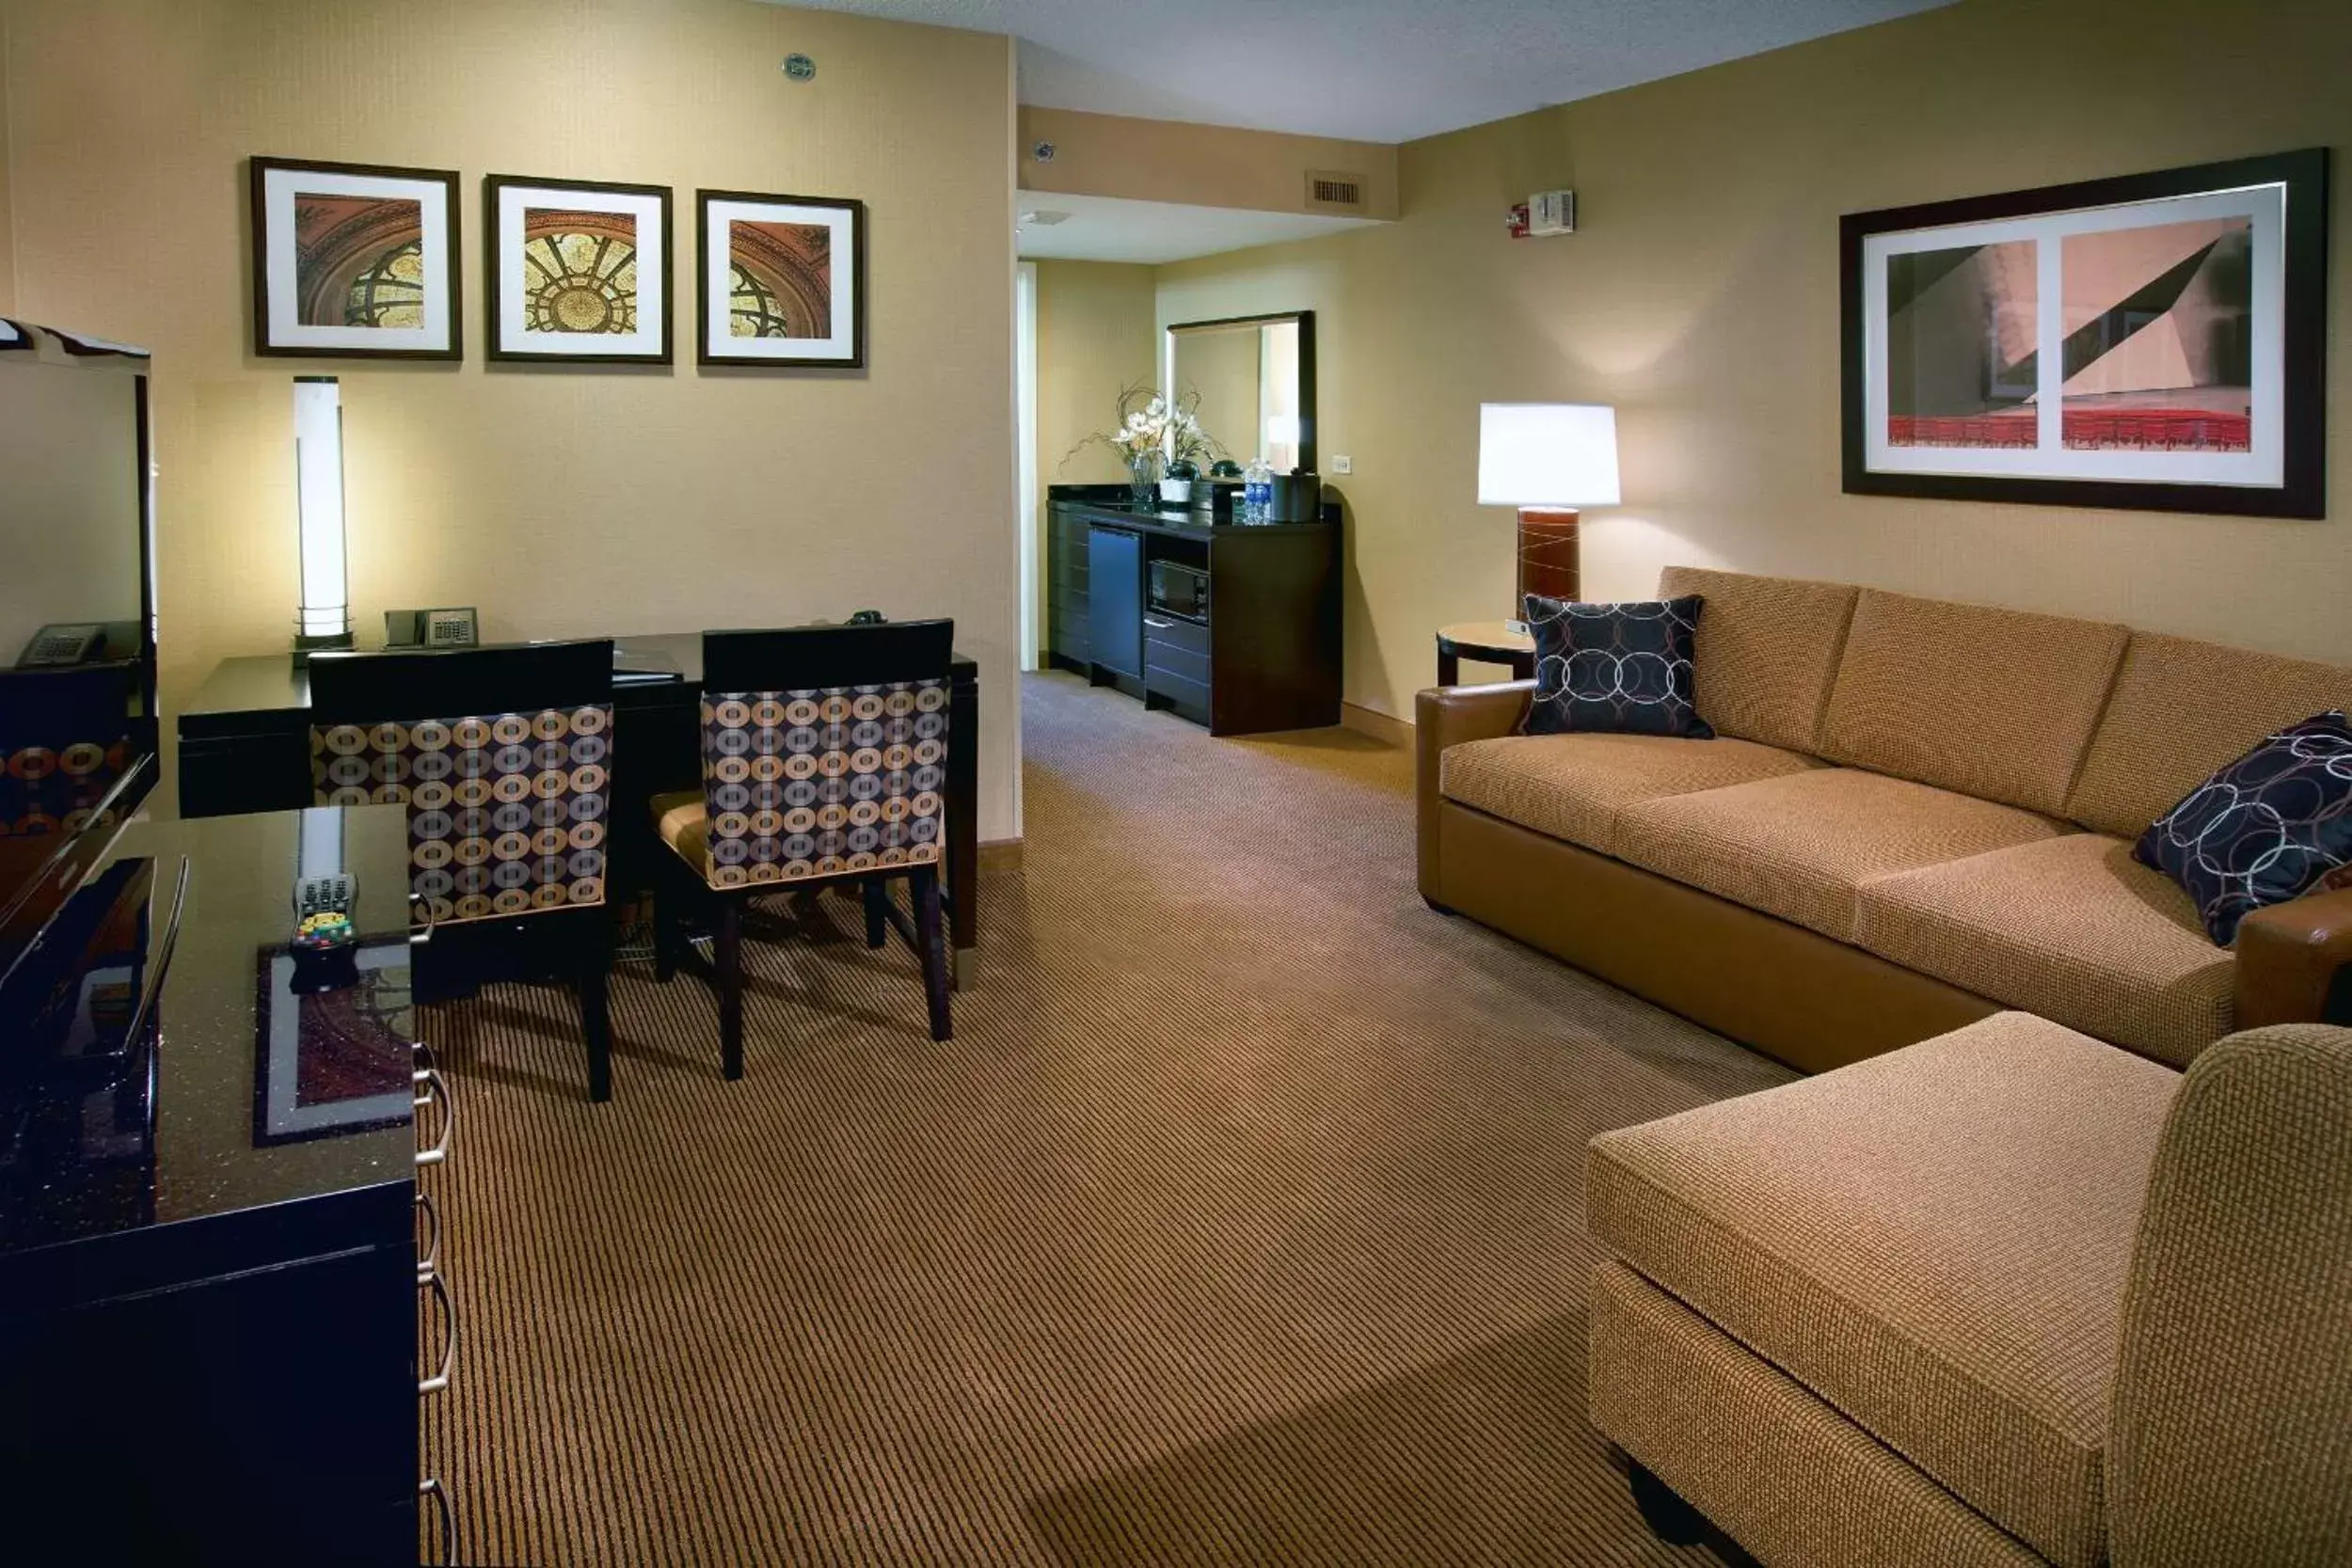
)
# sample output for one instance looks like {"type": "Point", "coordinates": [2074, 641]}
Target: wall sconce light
{"type": "Point", "coordinates": [323, 620]}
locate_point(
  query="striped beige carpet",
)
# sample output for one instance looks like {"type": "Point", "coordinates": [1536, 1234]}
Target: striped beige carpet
{"type": "Point", "coordinates": [1241, 1223]}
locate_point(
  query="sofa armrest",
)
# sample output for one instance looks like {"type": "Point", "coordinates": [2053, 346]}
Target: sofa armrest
{"type": "Point", "coordinates": [1447, 715]}
{"type": "Point", "coordinates": [2234, 1381]}
{"type": "Point", "coordinates": [2295, 963]}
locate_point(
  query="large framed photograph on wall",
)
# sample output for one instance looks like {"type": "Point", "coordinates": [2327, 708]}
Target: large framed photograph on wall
{"type": "Point", "coordinates": [780, 280]}
{"type": "Point", "coordinates": [354, 260]}
{"type": "Point", "coordinates": [577, 271]}
{"type": "Point", "coordinates": [2154, 341]}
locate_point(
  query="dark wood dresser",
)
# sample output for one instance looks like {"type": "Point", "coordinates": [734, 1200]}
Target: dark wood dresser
{"type": "Point", "coordinates": [1262, 655]}
{"type": "Point", "coordinates": [213, 1292]}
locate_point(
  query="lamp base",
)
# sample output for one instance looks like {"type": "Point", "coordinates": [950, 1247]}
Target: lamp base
{"type": "Point", "coordinates": [325, 643]}
{"type": "Point", "coordinates": [1548, 554]}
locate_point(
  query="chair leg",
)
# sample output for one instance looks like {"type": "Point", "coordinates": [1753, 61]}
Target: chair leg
{"type": "Point", "coordinates": [930, 948]}
{"type": "Point", "coordinates": [596, 1014]}
{"type": "Point", "coordinates": [877, 894]}
{"type": "Point", "coordinates": [730, 966]}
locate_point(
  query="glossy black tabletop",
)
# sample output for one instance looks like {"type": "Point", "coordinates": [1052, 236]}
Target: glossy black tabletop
{"type": "Point", "coordinates": [241, 1093]}
{"type": "Point", "coordinates": [270, 683]}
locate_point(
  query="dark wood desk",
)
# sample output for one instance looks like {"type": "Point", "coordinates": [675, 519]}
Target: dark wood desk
{"type": "Point", "coordinates": [245, 746]}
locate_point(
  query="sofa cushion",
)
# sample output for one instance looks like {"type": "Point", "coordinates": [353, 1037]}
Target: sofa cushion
{"type": "Point", "coordinates": [1800, 845]}
{"type": "Point", "coordinates": [1766, 652]}
{"type": "Point", "coordinates": [1572, 786]}
{"type": "Point", "coordinates": [2073, 929]}
{"type": "Point", "coordinates": [2272, 825]}
{"type": "Point", "coordinates": [1614, 669]}
{"type": "Point", "coordinates": [2182, 710]}
{"type": "Point", "coordinates": [1934, 1240]}
{"type": "Point", "coordinates": [1993, 702]}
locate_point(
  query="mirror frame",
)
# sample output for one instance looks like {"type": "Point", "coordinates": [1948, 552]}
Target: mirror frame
{"type": "Point", "coordinates": [1306, 320]}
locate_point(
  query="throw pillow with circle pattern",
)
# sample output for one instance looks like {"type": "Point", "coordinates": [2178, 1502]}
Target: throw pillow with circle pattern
{"type": "Point", "coordinates": [1619, 668]}
{"type": "Point", "coordinates": [2271, 826]}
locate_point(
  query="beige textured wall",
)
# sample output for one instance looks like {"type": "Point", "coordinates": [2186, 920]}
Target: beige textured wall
{"type": "Point", "coordinates": [1094, 335]}
{"type": "Point", "coordinates": [8, 230]}
{"type": "Point", "coordinates": [1202, 165]}
{"type": "Point", "coordinates": [1701, 298]}
{"type": "Point", "coordinates": [561, 502]}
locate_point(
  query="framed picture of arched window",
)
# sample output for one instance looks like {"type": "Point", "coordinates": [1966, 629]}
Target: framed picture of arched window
{"type": "Point", "coordinates": [780, 280]}
{"type": "Point", "coordinates": [354, 260]}
{"type": "Point", "coordinates": [575, 271]}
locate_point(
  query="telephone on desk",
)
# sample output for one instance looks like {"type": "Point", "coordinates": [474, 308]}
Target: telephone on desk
{"type": "Point", "coordinates": [56, 645]}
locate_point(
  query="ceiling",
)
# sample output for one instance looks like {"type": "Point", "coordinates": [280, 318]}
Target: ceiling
{"type": "Point", "coordinates": [1381, 71]}
{"type": "Point", "coordinates": [1107, 229]}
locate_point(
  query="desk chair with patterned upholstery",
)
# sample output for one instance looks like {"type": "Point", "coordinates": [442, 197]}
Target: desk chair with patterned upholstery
{"type": "Point", "coordinates": [824, 759]}
{"type": "Point", "coordinates": [503, 756]}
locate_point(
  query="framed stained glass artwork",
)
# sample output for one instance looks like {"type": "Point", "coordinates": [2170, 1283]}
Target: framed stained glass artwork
{"type": "Point", "coordinates": [354, 260]}
{"type": "Point", "coordinates": [577, 271]}
{"type": "Point", "coordinates": [780, 280]}
{"type": "Point", "coordinates": [2154, 341]}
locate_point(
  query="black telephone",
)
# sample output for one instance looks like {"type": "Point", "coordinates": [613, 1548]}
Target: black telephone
{"type": "Point", "coordinates": [63, 644]}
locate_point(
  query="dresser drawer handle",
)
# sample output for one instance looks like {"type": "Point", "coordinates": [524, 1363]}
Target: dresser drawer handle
{"type": "Point", "coordinates": [431, 1487]}
{"type": "Point", "coordinates": [1159, 625]}
{"type": "Point", "coordinates": [429, 1254]}
{"type": "Point", "coordinates": [438, 1381]}
{"type": "Point", "coordinates": [420, 920]}
{"type": "Point", "coordinates": [436, 1087]}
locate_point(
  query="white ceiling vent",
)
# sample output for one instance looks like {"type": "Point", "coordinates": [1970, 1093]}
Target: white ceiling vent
{"type": "Point", "coordinates": [1330, 192]}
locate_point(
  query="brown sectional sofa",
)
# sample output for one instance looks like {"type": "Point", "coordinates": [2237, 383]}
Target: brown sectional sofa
{"type": "Point", "coordinates": [2009, 1296]}
{"type": "Point", "coordinates": [1917, 813]}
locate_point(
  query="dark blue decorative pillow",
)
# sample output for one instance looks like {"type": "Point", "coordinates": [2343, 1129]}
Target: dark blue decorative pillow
{"type": "Point", "coordinates": [2270, 827]}
{"type": "Point", "coordinates": [1622, 668]}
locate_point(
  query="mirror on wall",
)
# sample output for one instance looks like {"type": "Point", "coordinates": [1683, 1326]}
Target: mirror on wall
{"type": "Point", "coordinates": [1255, 376]}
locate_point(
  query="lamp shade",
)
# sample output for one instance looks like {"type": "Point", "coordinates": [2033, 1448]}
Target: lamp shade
{"type": "Point", "coordinates": [1546, 454]}
{"type": "Point", "coordinates": [324, 617]}
{"type": "Point", "coordinates": [1282, 429]}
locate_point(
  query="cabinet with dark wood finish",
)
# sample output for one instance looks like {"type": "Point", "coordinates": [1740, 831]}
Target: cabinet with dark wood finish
{"type": "Point", "coordinates": [1069, 603]}
{"type": "Point", "coordinates": [1263, 656]}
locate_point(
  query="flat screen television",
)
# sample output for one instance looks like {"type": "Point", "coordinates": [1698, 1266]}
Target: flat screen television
{"type": "Point", "coordinates": [78, 730]}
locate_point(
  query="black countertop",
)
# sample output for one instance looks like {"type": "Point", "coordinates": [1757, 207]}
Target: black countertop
{"type": "Point", "coordinates": [1179, 522]}
{"type": "Point", "coordinates": [250, 1096]}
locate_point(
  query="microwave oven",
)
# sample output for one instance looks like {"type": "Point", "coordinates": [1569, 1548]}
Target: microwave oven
{"type": "Point", "coordinates": [1176, 588]}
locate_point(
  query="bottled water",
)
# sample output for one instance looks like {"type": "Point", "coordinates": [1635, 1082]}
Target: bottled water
{"type": "Point", "coordinates": [1257, 492]}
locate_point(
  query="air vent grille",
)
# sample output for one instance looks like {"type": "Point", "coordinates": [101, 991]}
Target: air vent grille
{"type": "Point", "coordinates": [1332, 192]}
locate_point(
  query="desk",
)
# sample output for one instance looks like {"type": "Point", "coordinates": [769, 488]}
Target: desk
{"type": "Point", "coordinates": [245, 746]}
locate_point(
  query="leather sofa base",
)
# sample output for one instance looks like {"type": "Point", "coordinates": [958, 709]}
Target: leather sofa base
{"type": "Point", "coordinates": [1765, 1459]}
{"type": "Point", "coordinates": [1793, 994]}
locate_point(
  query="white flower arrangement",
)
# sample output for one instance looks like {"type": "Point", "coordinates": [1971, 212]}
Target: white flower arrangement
{"type": "Point", "coordinates": [1149, 423]}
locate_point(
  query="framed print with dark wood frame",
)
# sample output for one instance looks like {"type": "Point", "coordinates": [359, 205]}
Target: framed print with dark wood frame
{"type": "Point", "coordinates": [355, 260]}
{"type": "Point", "coordinates": [577, 271]}
{"type": "Point", "coordinates": [780, 280]}
{"type": "Point", "coordinates": [2154, 341]}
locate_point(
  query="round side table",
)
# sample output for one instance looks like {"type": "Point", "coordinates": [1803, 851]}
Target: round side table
{"type": "Point", "coordinates": [1486, 643]}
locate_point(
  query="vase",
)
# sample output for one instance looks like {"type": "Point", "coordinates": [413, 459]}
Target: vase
{"type": "Point", "coordinates": [1144, 471]}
